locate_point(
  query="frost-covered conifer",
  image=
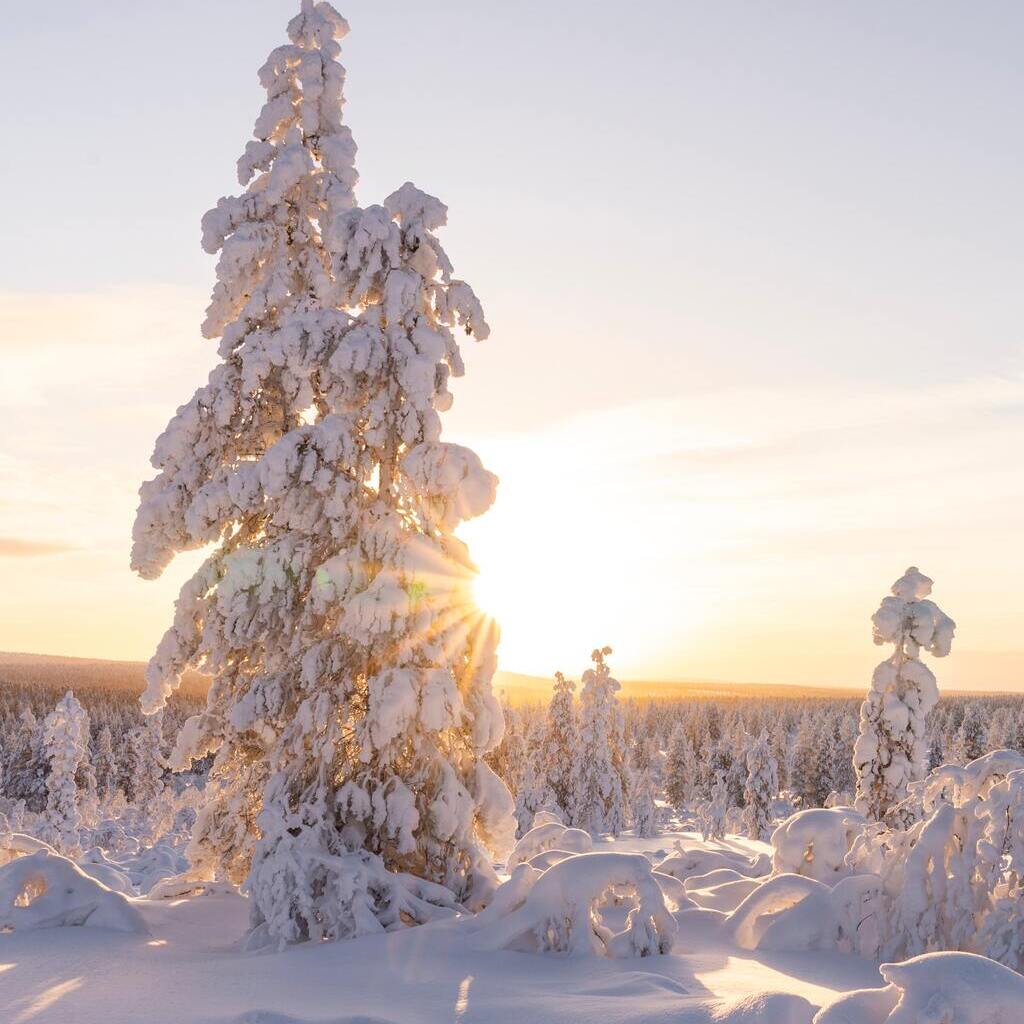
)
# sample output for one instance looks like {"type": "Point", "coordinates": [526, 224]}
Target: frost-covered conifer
{"type": "Point", "coordinates": [560, 753]}
{"type": "Point", "coordinates": [971, 736]}
{"type": "Point", "coordinates": [760, 790]}
{"type": "Point", "coordinates": [892, 744]}
{"type": "Point", "coordinates": [713, 813]}
{"type": "Point", "coordinates": [145, 762]}
{"type": "Point", "coordinates": [602, 800]}
{"type": "Point", "coordinates": [680, 768]}
{"type": "Point", "coordinates": [66, 746]}
{"type": "Point", "coordinates": [804, 778]}
{"type": "Point", "coordinates": [533, 792]}
{"type": "Point", "coordinates": [26, 766]}
{"type": "Point", "coordinates": [642, 802]}
{"type": "Point", "coordinates": [351, 703]}
{"type": "Point", "coordinates": [106, 764]}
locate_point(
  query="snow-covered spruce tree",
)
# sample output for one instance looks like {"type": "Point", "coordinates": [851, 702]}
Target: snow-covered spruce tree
{"type": "Point", "coordinates": [680, 768]}
{"type": "Point", "coordinates": [26, 770]}
{"type": "Point", "coordinates": [533, 792]}
{"type": "Point", "coordinates": [971, 736]}
{"type": "Point", "coordinates": [66, 747]}
{"type": "Point", "coordinates": [559, 754]}
{"type": "Point", "coordinates": [713, 813]}
{"type": "Point", "coordinates": [642, 802]}
{"type": "Point", "coordinates": [106, 765]}
{"type": "Point", "coordinates": [761, 789]}
{"type": "Point", "coordinates": [145, 762]}
{"type": "Point", "coordinates": [603, 784]}
{"type": "Point", "coordinates": [891, 746]}
{"type": "Point", "coordinates": [351, 703]}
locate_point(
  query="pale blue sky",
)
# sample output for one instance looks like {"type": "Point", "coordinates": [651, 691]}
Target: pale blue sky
{"type": "Point", "coordinates": [742, 209]}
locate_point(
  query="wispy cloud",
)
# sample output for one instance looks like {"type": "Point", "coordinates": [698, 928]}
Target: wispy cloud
{"type": "Point", "coordinates": [17, 547]}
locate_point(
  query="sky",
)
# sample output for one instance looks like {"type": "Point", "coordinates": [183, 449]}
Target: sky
{"type": "Point", "coordinates": [753, 273]}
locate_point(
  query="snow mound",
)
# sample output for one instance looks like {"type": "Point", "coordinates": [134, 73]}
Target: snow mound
{"type": "Point", "coordinates": [815, 843]}
{"type": "Point", "coordinates": [686, 862]}
{"type": "Point", "coordinates": [551, 835]}
{"type": "Point", "coordinates": [764, 1008]}
{"type": "Point", "coordinates": [45, 890]}
{"type": "Point", "coordinates": [796, 913]}
{"type": "Point", "coordinates": [563, 909]}
{"type": "Point", "coordinates": [937, 988]}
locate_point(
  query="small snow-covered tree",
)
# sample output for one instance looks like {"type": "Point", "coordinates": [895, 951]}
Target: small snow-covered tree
{"type": "Point", "coordinates": [643, 802]}
{"type": "Point", "coordinates": [712, 816]}
{"type": "Point", "coordinates": [351, 704]}
{"type": "Point", "coordinates": [145, 762]}
{"type": "Point", "coordinates": [27, 767]}
{"type": "Point", "coordinates": [533, 792]}
{"type": "Point", "coordinates": [66, 746]}
{"type": "Point", "coordinates": [560, 753]}
{"type": "Point", "coordinates": [892, 743]}
{"type": "Point", "coordinates": [680, 768]}
{"type": "Point", "coordinates": [761, 789]}
{"type": "Point", "coordinates": [971, 736]}
{"type": "Point", "coordinates": [603, 791]}
{"type": "Point", "coordinates": [106, 764]}
{"type": "Point", "coordinates": [805, 779]}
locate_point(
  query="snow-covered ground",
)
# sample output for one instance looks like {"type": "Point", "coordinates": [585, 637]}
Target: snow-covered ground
{"type": "Point", "coordinates": [191, 968]}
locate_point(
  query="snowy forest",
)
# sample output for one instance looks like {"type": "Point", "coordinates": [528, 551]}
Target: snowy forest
{"type": "Point", "coordinates": [317, 807]}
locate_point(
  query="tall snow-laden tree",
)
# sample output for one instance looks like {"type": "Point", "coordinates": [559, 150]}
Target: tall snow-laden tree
{"type": "Point", "coordinates": [892, 743]}
{"type": "Point", "coordinates": [26, 767]}
{"type": "Point", "coordinates": [559, 754]}
{"type": "Point", "coordinates": [711, 817]}
{"type": "Point", "coordinates": [66, 746]}
{"type": "Point", "coordinates": [971, 736]}
{"type": "Point", "coordinates": [351, 704]}
{"type": "Point", "coordinates": [680, 768]}
{"type": "Point", "coordinates": [602, 800]}
{"type": "Point", "coordinates": [760, 790]}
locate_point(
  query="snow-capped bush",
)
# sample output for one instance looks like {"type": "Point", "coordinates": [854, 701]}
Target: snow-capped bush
{"type": "Point", "coordinates": [561, 910]}
{"type": "Point", "coordinates": [46, 890]}
{"type": "Point", "coordinates": [815, 842]}
{"type": "Point", "coordinates": [891, 748]}
{"type": "Point", "coordinates": [937, 988]}
{"type": "Point", "coordinates": [551, 835]}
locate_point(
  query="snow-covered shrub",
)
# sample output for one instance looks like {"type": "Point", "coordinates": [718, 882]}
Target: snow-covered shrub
{"type": "Point", "coordinates": [892, 745]}
{"type": "Point", "coordinates": [793, 912]}
{"type": "Point", "coordinates": [45, 890]}
{"type": "Point", "coordinates": [761, 789]}
{"type": "Point", "coordinates": [551, 835]}
{"type": "Point", "coordinates": [815, 842]}
{"type": "Point", "coordinates": [561, 910]}
{"type": "Point", "coordinates": [351, 704]}
{"type": "Point", "coordinates": [686, 862]}
{"type": "Point", "coordinates": [601, 806]}
{"type": "Point", "coordinates": [937, 988]}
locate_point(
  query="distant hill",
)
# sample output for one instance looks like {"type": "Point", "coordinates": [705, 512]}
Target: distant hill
{"type": "Point", "coordinates": [75, 673]}
{"type": "Point", "coordinates": [53, 670]}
